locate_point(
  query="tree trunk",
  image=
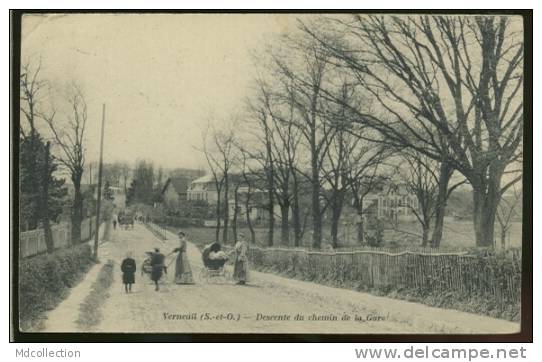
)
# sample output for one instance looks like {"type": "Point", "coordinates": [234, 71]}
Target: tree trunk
{"type": "Point", "coordinates": [439, 227]}
{"type": "Point", "coordinates": [335, 219]}
{"type": "Point", "coordinates": [46, 177]}
{"type": "Point", "coordinates": [235, 207]}
{"type": "Point", "coordinates": [271, 234]}
{"type": "Point", "coordinates": [485, 208]}
{"type": "Point", "coordinates": [316, 209]}
{"type": "Point", "coordinates": [440, 207]}
{"type": "Point", "coordinates": [218, 215]}
{"type": "Point", "coordinates": [358, 205]}
{"type": "Point", "coordinates": [226, 212]}
{"type": "Point", "coordinates": [361, 230]}
{"type": "Point", "coordinates": [284, 223]}
{"type": "Point", "coordinates": [296, 220]}
{"type": "Point", "coordinates": [249, 220]}
{"type": "Point", "coordinates": [296, 216]}
{"type": "Point", "coordinates": [425, 235]}
{"type": "Point", "coordinates": [271, 199]}
{"type": "Point", "coordinates": [77, 210]}
{"type": "Point", "coordinates": [503, 238]}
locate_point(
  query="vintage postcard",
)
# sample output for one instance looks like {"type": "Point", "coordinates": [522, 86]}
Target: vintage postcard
{"type": "Point", "coordinates": [264, 173]}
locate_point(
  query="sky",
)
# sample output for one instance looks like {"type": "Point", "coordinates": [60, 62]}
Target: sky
{"type": "Point", "coordinates": [161, 76]}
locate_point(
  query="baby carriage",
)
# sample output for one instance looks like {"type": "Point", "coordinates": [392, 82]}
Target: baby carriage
{"type": "Point", "coordinates": [213, 262]}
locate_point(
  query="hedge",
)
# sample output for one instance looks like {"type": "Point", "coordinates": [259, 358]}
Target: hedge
{"type": "Point", "coordinates": [179, 222]}
{"type": "Point", "coordinates": [44, 281]}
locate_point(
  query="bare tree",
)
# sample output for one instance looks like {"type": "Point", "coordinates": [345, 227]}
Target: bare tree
{"type": "Point", "coordinates": [283, 139]}
{"type": "Point", "coordinates": [421, 175]}
{"type": "Point", "coordinates": [70, 139]}
{"type": "Point", "coordinates": [218, 148]}
{"type": "Point", "coordinates": [31, 86]}
{"type": "Point", "coordinates": [249, 182]}
{"type": "Point", "coordinates": [45, 217]}
{"type": "Point", "coordinates": [450, 88]}
{"type": "Point", "coordinates": [269, 168]}
{"type": "Point", "coordinates": [302, 69]}
{"type": "Point", "coordinates": [349, 159]}
{"type": "Point", "coordinates": [509, 208]}
{"type": "Point", "coordinates": [364, 178]}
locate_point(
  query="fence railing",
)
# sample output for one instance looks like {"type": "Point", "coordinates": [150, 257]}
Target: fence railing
{"type": "Point", "coordinates": [498, 277]}
{"type": "Point", "coordinates": [158, 230]}
{"type": "Point", "coordinates": [33, 242]}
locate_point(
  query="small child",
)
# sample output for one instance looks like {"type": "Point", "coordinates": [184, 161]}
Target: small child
{"type": "Point", "coordinates": [218, 255]}
{"type": "Point", "coordinates": [128, 268]}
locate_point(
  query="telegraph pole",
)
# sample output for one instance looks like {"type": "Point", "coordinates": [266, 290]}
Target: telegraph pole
{"type": "Point", "coordinates": [99, 196]}
{"type": "Point", "coordinates": [89, 215]}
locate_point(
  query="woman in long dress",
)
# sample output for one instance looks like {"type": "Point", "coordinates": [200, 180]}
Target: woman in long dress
{"type": "Point", "coordinates": [183, 272]}
{"type": "Point", "coordinates": [240, 268]}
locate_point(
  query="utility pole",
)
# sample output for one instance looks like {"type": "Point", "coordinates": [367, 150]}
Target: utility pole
{"type": "Point", "coordinates": [89, 214]}
{"type": "Point", "coordinates": [99, 196]}
{"type": "Point", "coordinates": [49, 242]}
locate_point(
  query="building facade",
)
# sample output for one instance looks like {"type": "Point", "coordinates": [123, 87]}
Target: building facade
{"type": "Point", "coordinates": [203, 189]}
{"type": "Point", "coordinates": [175, 191]}
{"type": "Point", "coordinates": [393, 202]}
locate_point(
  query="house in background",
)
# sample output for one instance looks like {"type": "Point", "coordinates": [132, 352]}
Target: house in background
{"type": "Point", "coordinates": [203, 189]}
{"type": "Point", "coordinates": [393, 201]}
{"type": "Point", "coordinates": [258, 207]}
{"type": "Point", "coordinates": [174, 192]}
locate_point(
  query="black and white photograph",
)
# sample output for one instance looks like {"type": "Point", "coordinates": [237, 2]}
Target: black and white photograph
{"type": "Point", "coordinates": [271, 173]}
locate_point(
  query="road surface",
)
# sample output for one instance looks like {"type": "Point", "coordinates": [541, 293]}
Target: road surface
{"type": "Point", "coordinates": [268, 304]}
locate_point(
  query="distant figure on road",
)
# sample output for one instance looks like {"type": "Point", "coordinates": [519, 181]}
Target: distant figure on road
{"type": "Point", "coordinates": [183, 272]}
{"type": "Point", "coordinates": [128, 268]}
{"type": "Point", "coordinates": [240, 268]}
{"type": "Point", "coordinates": [114, 224]}
{"type": "Point", "coordinates": [158, 267]}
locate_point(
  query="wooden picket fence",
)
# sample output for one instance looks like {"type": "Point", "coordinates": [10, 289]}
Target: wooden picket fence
{"type": "Point", "coordinates": [491, 275]}
{"type": "Point", "coordinates": [33, 242]}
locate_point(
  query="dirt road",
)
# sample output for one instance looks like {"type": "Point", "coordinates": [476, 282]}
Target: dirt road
{"type": "Point", "coordinates": [269, 304]}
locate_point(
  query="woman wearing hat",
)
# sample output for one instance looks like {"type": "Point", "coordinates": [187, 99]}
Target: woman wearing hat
{"type": "Point", "coordinates": [183, 272]}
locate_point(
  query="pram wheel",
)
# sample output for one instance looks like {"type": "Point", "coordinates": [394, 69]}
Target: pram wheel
{"type": "Point", "coordinates": [213, 274]}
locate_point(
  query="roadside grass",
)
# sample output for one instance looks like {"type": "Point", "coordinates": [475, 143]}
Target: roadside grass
{"type": "Point", "coordinates": [90, 313]}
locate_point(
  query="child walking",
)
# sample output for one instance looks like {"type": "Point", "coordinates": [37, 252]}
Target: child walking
{"type": "Point", "coordinates": [128, 268]}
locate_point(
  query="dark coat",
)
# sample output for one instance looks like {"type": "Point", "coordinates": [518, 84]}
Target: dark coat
{"type": "Point", "coordinates": [128, 268]}
{"type": "Point", "coordinates": [157, 263]}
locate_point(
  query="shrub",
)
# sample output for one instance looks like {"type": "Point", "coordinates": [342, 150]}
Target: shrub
{"type": "Point", "coordinates": [178, 222]}
{"type": "Point", "coordinates": [45, 279]}
{"type": "Point", "coordinates": [375, 233]}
